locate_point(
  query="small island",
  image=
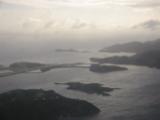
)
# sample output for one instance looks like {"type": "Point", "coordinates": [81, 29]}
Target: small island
{"type": "Point", "coordinates": [98, 68]}
{"type": "Point", "coordinates": [67, 50]}
{"type": "Point", "coordinates": [71, 50]}
{"type": "Point", "coordinates": [37, 104]}
{"type": "Point", "coordinates": [89, 88]}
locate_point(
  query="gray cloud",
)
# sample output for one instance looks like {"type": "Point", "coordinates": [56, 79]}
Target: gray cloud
{"type": "Point", "coordinates": [147, 4]}
{"type": "Point", "coordinates": [31, 23]}
{"type": "Point", "coordinates": [79, 25]}
{"type": "Point", "coordinates": [150, 24]}
{"type": "Point", "coordinates": [6, 4]}
{"type": "Point", "coordinates": [49, 24]}
{"type": "Point", "coordinates": [10, 5]}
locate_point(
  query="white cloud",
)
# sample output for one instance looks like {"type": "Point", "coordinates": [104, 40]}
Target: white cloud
{"type": "Point", "coordinates": [100, 14]}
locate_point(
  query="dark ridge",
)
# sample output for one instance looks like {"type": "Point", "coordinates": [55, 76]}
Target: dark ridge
{"type": "Point", "coordinates": [148, 58]}
{"type": "Point", "coordinates": [134, 47]}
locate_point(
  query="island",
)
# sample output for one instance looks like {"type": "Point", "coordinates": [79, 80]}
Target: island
{"type": "Point", "coordinates": [148, 58]}
{"type": "Point", "coordinates": [19, 67]}
{"type": "Point", "coordinates": [67, 50]}
{"type": "Point", "coordinates": [89, 88]}
{"type": "Point", "coordinates": [38, 104]}
{"type": "Point", "coordinates": [25, 67]}
{"type": "Point", "coordinates": [72, 65]}
{"type": "Point", "coordinates": [71, 50]}
{"type": "Point", "coordinates": [99, 68]}
{"type": "Point", "coordinates": [133, 47]}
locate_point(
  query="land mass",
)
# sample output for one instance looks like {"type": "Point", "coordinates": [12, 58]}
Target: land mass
{"type": "Point", "coordinates": [29, 66]}
{"type": "Point", "coordinates": [24, 67]}
{"type": "Point", "coordinates": [72, 50]}
{"type": "Point", "coordinates": [133, 47]}
{"type": "Point", "coordinates": [66, 50]}
{"type": "Point", "coordinates": [89, 88]}
{"type": "Point", "coordinates": [98, 68]}
{"type": "Point", "coordinates": [148, 58]}
{"type": "Point", "coordinates": [37, 104]}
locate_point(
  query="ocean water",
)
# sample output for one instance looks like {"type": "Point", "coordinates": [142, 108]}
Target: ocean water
{"type": "Point", "coordinates": [137, 99]}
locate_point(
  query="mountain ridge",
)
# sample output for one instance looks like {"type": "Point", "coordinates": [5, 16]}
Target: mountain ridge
{"type": "Point", "coordinates": [133, 47]}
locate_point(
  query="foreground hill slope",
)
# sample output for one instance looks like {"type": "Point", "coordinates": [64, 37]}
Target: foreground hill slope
{"type": "Point", "coordinates": [42, 105]}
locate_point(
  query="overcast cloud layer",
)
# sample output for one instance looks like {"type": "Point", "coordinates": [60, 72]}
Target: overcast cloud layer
{"type": "Point", "coordinates": [83, 17]}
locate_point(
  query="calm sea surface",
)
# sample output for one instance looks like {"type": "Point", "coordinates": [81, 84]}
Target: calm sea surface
{"type": "Point", "coordinates": [137, 99]}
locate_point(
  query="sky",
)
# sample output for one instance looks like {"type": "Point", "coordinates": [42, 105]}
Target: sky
{"type": "Point", "coordinates": [78, 16]}
{"type": "Point", "coordinates": [82, 19]}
